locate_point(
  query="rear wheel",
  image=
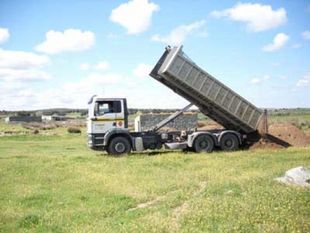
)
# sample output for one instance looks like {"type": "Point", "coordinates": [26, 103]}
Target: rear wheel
{"type": "Point", "coordinates": [203, 143]}
{"type": "Point", "coordinates": [118, 146]}
{"type": "Point", "coordinates": [229, 142]}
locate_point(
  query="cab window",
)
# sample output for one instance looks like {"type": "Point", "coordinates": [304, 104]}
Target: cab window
{"type": "Point", "coordinates": [104, 107]}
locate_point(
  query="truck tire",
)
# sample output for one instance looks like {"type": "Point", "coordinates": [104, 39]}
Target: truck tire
{"type": "Point", "coordinates": [203, 143]}
{"type": "Point", "coordinates": [119, 146]}
{"type": "Point", "coordinates": [229, 142]}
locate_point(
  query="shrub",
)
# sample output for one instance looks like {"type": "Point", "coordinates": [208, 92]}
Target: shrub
{"type": "Point", "coordinates": [41, 126]}
{"type": "Point", "coordinates": [74, 130]}
{"type": "Point", "coordinates": [36, 131]}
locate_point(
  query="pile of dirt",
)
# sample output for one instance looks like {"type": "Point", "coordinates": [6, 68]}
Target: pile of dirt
{"type": "Point", "coordinates": [264, 143]}
{"type": "Point", "coordinates": [289, 133]}
{"type": "Point", "coordinates": [307, 133]}
{"type": "Point", "coordinates": [209, 125]}
{"type": "Point", "coordinates": [282, 135]}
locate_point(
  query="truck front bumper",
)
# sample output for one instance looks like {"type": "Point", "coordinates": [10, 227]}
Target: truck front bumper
{"type": "Point", "coordinates": [95, 141]}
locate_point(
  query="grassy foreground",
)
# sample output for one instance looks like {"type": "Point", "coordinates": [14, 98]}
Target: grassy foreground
{"type": "Point", "coordinates": [56, 184]}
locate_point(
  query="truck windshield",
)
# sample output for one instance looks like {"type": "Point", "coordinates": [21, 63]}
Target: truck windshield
{"type": "Point", "coordinates": [104, 107]}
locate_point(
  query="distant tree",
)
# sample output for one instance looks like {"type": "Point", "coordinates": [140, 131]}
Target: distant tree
{"type": "Point", "coordinates": [23, 113]}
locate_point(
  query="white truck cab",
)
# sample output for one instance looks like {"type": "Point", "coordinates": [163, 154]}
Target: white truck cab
{"type": "Point", "coordinates": [105, 115]}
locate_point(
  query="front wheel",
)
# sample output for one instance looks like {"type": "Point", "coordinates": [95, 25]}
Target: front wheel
{"type": "Point", "coordinates": [118, 146]}
{"type": "Point", "coordinates": [203, 143]}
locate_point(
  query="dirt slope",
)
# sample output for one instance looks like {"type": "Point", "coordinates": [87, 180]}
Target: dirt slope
{"type": "Point", "coordinates": [286, 132]}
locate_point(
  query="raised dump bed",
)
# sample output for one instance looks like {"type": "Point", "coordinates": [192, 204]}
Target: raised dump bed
{"type": "Point", "coordinates": [213, 98]}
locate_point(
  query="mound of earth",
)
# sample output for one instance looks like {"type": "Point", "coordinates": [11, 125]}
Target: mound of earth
{"type": "Point", "coordinates": [307, 133]}
{"type": "Point", "coordinates": [289, 133]}
{"type": "Point", "coordinates": [264, 143]}
{"type": "Point", "coordinates": [209, 125]}
{"type": "Point", "coordinates": [282, 135]}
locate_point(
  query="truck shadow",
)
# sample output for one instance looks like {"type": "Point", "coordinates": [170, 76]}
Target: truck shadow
{"type": "Point", "coordinates": [143, 153]}
{"type": "Point", "coordinates": [152, 153]}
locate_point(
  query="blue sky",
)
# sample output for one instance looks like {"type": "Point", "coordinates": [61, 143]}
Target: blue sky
{"type": "Point", "coordinates": [59, 53]}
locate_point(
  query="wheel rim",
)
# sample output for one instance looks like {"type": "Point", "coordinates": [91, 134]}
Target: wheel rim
{"type": "Point", "coordinates": [120, 147]}
{"type": "Point", "coordinates": [204, 143]}
{"type": "Point", "coordinates": [229, 143]}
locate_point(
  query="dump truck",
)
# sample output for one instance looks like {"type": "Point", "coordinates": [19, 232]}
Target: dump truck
{"type": "Point", "coordinates": [107, 124]}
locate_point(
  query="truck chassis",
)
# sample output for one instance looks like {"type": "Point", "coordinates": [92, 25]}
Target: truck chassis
{"type": "Point", "coordinates": [118, 141]}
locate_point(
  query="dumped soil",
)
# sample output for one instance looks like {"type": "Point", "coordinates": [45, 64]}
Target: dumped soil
{"type": "Point", "coordinates": [281, 133]}
{"type": "Point", "coordinates": [289, 133]}
{"type": "Point", "coordinates": [265, 143]}
{"type": "Point", "coordinates": [307, 133]}
{"type": "Point", "coordinates": [210, 125]}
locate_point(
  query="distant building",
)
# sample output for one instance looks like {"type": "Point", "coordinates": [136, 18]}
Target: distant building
{"type": "Point", "coordinates": [59, 118]}
{"type": "Point", "coordinates": [53, 117]}
{"type": "Point", "coordinates": [17, 119]}
{"type": "Point", "coordinates": [46, 117]}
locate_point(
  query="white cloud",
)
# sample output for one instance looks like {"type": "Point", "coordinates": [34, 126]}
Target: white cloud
{"type": "Point", "coordinates": [102, 65]}
{"type": "Point", "coordinates": [22, 66]}
{"type": "Point", "coordinates": [4, 35]}
{"type": "Point", "coordinates": [22, 97]}
{"type": "Point", "coordinates": [135, 15]}
{"type": "Point", "coordinates": [68, 94]}
{"type": "Point", "coordinates": [21, 60]}
{"type": "Point", "coordinates": [306, 35]}
{"type": "Point", "coordinates": [142, 70]}
{"type": "Point", "coordinates": [278, 42]}
{"type": "Point", "coordinates": [76, 94]}
{"type": "Point", "coordinates": [266, 77]}
{"type": "Point", "coordinates": [178, 35]}
{"type": "Point", "coordinates": [304, 81]}
{"type": "Point", "coordinates": [23, 75]}
{"type": "Point", "coordinates": [92, 82]}
{"type": "Point", "coordinates": [258, 17]}
{"type": "Point", "coordinates": [95, 79]}
{"type": "Point", "coordinates": [85, 66]}
{"type": "Point", "coordinates": [71, 40]}
{"type": "Point", "coordinates": [113, 36]}
{"type": "Point", "coordinates": [256, 81]}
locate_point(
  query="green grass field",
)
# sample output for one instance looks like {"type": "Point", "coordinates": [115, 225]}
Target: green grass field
{"type": "Point", "coordinates": [54, 183]}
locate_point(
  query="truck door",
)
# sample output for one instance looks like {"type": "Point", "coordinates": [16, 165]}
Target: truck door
{"type": "Point", "coordinates": [107, 115]}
